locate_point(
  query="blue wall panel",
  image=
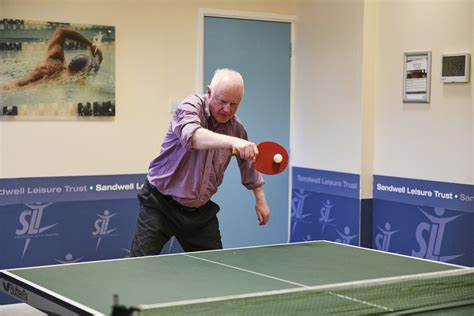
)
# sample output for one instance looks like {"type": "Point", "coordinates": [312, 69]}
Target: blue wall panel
{"type": "Point", "coordinates": [43, 221]}
{"type": "Point", "coordinates": [426, 219]}
{"type": "Point", "coordinates": [325, 205]}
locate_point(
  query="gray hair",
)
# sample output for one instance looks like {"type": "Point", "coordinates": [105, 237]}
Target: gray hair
{"type": "Point", "coordinates": [228, 74]}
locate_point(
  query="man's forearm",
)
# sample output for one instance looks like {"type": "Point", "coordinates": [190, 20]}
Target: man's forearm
{"type": "Point", "coordinates": [206, 139]}
{"type": "Point", "coordinates": [261, 206]}
{"type": "Point", "coordinates": [259, 195]}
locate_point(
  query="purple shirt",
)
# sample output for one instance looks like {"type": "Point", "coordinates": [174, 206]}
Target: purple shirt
{"type": "Point", "coordinates": [190, 176]}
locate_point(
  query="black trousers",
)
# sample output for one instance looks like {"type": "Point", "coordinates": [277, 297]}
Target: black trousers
{"type": "Point", "coordinates": [161, 217]}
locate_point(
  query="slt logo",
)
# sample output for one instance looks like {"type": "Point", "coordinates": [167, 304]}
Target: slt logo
{"type": "Point", "coordinates": [345, 236]}
{"type": "Point", "coordinates": [430, 235]}
{"type": "Point", "coordinates": [326, 214]}
{"type": "Point", "coordinates": [297, 212]}
{"type": "Point", "coordinates": [382, 239]}
{"type": "Point", "coordinates": [30, 221]}
{"type": "Point", "coordinates": [101, 226]}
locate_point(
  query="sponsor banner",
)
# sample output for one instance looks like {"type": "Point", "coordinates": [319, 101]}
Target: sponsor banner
{"type": "Point", "coordinates": [66, 232]}
{"type": "Point", "coordinates": [327, 182]}
{"type": "Point", "coordinates": [451, 196]}
{"type": "Point", "coordinates": [434, 233]}
{"type": "Point", "coordinates": [325, 205]}
{"type": "Point", "coordinates": [62, 189]}
{"type": "Point", "coordinates": [46, 221]}
{"type": "Point", "coordinates": [36, 234]}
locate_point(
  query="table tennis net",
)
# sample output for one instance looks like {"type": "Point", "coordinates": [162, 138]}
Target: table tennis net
{"type": "Point", "coordinates": [397, 295]}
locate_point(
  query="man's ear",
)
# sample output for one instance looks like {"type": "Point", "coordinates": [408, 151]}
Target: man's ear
{"type": "Point", "coordinates": [209, 92]}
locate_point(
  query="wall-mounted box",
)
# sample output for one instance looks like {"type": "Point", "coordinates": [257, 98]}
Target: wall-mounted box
{"type": "Point", "coordinates": [455, 68]}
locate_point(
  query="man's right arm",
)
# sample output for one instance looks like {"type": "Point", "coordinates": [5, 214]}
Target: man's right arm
{"type": "Point", "coordinates": [206, 139]}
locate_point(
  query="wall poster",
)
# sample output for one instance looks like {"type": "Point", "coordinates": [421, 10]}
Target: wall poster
{"type": "Point", "coordinates": [56, 71]}
{"type": "Point", "coordinates": [416, 77]}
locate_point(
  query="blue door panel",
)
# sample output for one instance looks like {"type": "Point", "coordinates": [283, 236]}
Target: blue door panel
{"type": "Point", "coordinates": [260, 51]}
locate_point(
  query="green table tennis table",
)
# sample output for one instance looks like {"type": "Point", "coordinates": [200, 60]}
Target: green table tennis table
{"type": "Point", "coordinates": [313, 278]}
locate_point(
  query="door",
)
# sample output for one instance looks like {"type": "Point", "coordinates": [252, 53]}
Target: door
{"type": "Point", "coordinates": [261, 52]}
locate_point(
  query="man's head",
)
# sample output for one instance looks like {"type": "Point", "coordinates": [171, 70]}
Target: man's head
{"type": "Point", "coordinates": [225, 93]}
{"type": "Point", "coordinates": [82, 62]}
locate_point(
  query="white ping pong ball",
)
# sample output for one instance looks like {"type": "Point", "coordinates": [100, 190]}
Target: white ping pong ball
{"type": "Point", "coordinates": [278, 158]}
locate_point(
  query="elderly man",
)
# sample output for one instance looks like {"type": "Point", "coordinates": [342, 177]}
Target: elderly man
{"type": "Point", "coordinates": [176, 198]}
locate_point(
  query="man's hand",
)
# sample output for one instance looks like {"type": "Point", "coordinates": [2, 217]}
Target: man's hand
{"type": "Point", "coordinates": [261, 206]}
{"type": "Point", "coordinates": [263, 213]}
{"type": "Point", "coordinates": [246, 150]}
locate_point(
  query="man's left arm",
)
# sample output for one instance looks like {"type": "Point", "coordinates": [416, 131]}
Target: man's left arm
{"type": "Point", "coordinates": [261, 206]}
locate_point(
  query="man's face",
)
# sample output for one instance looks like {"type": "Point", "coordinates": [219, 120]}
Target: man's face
{"type": "Point", "coordinates": [224, 100]}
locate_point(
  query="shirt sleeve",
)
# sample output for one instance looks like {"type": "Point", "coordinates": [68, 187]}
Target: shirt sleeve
{"type": "Point", "coordinates": [251, 178]}
{"type": "Point", "coordinates": [187, 118]}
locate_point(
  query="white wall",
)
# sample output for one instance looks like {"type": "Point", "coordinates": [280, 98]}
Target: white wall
{"type": "Point", "coordinates": [156, 63]}
{"type": "Point", "coordinates": [350, 116]}
{"type": "Point", "coordinates": [348, 77]}
{"type": "Point", "coordinates": [329, 54]}
{"type": "Point", "coordinates": [423, 141]}
{"type": "Point", "coordinates": [472, 93]}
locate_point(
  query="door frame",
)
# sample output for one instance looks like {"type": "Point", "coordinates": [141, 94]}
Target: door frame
{"type": "Point", "coordinates": [259, 16]}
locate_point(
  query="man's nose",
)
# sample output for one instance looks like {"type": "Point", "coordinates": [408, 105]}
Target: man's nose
{"type": "Point", "coordinates": [226, 107]}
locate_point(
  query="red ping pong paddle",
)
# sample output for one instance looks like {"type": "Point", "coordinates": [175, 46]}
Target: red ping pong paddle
{"type": "Point", "coordinates": [272, 158]}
